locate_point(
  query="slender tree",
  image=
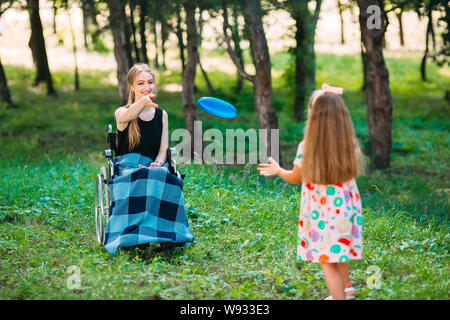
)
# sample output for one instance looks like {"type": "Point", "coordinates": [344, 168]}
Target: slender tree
{"type": "Point", "coordinates": [426, 8]}
{"type": "Point", "coordinates": [117, 21]}
{"type": "Point", "coordinates": [165, 31]}
{"type": "Point", "coordinates": [5, 93]}
{"type": "Point", "coordinates": [187, 94]}
{"type": "Point", "coordinates": [204, 73]}
{"type": "Point", "coordinates": [127, 32]}
{"type": "Point", "coordinates": [154, 24]}
{"type": "Point", "coordinates": [132, 7]}
{"type": "Point", "coordinates": [305, 23]}
{"type": "Point", "coordinates": [179, 34]}
{"type": "Point", "coordinates": [55, 12]}
{"type": "Point", "coordinates": [235, 36]}
{"type": "Point", "coordinates": [378, 93]}
{"type": "Point", "coordinates": [399, 14]}
{"type": "Point", "coordinates": [74, 49]}
{"type": "Point", "coordinates": [341, 9]}
{"type": "Point", "coordinates": [37, 46]}
{"type": "Point", "coordinates": [423, 63]}
{"type": "Point", "coordinates": [262, 80]}
{"type": "Point", "coordinates": [143, 37]}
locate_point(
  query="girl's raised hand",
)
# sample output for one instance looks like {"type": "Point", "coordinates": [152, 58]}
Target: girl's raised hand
{"type": "Point", "coordinates": [269, 169]}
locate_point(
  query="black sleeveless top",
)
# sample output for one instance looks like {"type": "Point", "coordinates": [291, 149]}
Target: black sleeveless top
{"type": "Point", "coordinates": [151, 132]}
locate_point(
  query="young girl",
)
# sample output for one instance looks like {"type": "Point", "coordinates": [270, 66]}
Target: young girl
{"type": "Point", "coordinates": [327, 161]}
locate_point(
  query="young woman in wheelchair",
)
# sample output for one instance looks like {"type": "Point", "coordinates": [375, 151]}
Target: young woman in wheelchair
{"type": "Point", "coordinates": [141, 126]}
{"type": "Point", "coordinates": [147, 203]}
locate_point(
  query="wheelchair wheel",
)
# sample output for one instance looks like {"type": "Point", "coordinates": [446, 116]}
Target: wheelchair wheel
{"type": "Point", "coordinates": [102, 204]}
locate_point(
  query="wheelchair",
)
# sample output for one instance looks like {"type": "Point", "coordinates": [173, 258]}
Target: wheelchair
{"type": "Point", "coordinates": [102, 190]}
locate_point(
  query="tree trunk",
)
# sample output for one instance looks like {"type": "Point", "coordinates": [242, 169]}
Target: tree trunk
{"type": "Point", "coordinates": [117, 20]}
{"type": "Point", "coordinates": [378, 94]}
{"type": "Point", "coordinates": [237, 48]}
{"type": "Point", "coordinates": [400, 27]}
{"type": "Point", "coordinates": [85, 23]}
{"type": "Point", "coordinates": [205, 75]}
{"type": "Point", "coordinates": [127, 33]}
{"type": "Point", "coordinates": [55, 11]}
{"type": "Point", "coordinates": [155, 32]}
{"type": "Point", "coordinates": [433, 38]}
{"type": "Point", "coordinates": [37, 45]}
{"type": "Point", "coordinates": [301, 67]}
{"type": "Point", "coordinates": [304, 53]}
{"type": "Point", "coordinates": [262, 88]}
{"type": "Point", "coordinates": [74, 48]}
{"type": "Point", "coordinates": [341, 19]}
{"type": "Point", "coordinates": [133, 32]}
{"type": "Point", "coordinates": [142, 16]}
{"type": "Point", "coordinates": [164, 37]}
{"type": "Point", "coordinates": [187, 94]}
{"type": "Point", "coordinates": [5, 94]}
{"type": "Point", "coordinates": [423, 64]}
{"type": "Point", "coordinates": [179, 33]}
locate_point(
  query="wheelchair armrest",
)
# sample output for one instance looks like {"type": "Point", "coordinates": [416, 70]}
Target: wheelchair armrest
{"type": "Point", "coordinates": [112, 143]}
{"type": "Point", "coordinates": [172, 164]}
{"type": "Point", "coordinates": [108, 153]}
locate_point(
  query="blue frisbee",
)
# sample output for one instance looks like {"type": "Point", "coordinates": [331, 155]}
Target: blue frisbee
{"type": "Point", "coordinates": [217, 107]}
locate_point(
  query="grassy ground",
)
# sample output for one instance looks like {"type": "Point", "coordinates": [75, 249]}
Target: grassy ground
{"type": "Point", "coordinates": [244, 225]}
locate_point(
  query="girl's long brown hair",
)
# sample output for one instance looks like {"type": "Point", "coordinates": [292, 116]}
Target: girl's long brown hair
{"type": "Point", "coordinates": [330, 141]}
{"type": "Point", "coordinates": [134, 135]}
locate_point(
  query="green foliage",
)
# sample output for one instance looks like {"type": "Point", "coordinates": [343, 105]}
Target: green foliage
{"type": "Point", "coordinates": [244, 225]}
{"type": "Point", "coordinates": [99, 45]}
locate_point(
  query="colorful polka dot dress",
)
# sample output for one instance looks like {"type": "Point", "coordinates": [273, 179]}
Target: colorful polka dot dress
{"type": "Point", "coordinates": [330, 221]}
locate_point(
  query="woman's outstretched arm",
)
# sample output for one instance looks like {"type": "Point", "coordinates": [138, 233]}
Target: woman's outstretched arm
{"type": "Point", "coordinates": [124, 114]}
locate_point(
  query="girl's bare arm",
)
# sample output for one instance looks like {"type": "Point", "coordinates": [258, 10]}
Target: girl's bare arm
{"type": "Point", "coordinates": [293, 176]}
{"type": "Point", "coordinates": [272, 169]}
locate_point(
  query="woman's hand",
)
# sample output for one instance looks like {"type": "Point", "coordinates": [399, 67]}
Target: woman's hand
{"type": "Point", "coordinates": [148, 100]}
{"type": "Point", "coordinates": [269, 170]}
{"type": "Point", "coordinates": [155, 164]}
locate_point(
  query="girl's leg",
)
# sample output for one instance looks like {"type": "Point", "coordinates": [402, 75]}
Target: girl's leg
{"type": "Point", "coordinates": [334, 281]}
{"type": "Point", "coordinates": [343, 270]}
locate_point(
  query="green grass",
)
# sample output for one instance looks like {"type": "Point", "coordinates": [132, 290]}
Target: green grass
{"type": "Point", "coordinates": [244, 225]}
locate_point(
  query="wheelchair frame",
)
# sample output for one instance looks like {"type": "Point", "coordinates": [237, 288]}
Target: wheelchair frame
{"type": "Point", "coordinates": [102, 191]}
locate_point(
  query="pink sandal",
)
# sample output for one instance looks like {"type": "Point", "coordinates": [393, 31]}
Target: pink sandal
{"type": "Point", "coordinates": [349, 293]}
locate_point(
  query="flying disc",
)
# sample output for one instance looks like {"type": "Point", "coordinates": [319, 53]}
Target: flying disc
{"type": "Point", "coordinates": [217, 107]}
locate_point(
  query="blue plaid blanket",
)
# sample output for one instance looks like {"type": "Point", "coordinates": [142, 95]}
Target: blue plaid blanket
{"type": "Point", "coordinates": [146, 205]}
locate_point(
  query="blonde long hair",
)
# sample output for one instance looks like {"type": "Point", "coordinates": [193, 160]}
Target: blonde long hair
{"type": "Point", "coordinates": [330, 142]}
{"type": "Point", "coordinates": [134, 134]}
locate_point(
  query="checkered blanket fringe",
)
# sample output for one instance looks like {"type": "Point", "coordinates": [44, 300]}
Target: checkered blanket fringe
{"type": "Point", "coordinates": [147, 205]}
